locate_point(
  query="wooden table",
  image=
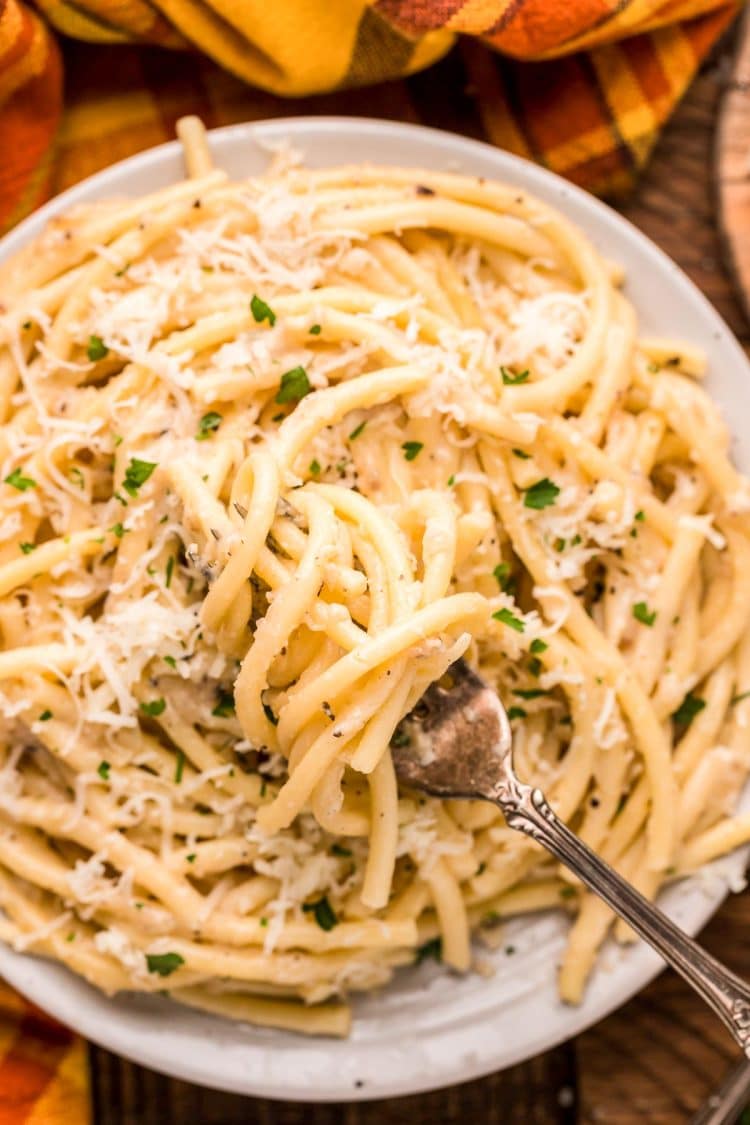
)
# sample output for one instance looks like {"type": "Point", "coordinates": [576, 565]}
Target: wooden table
{"type": "Point", "coordinates": [654, 1061]}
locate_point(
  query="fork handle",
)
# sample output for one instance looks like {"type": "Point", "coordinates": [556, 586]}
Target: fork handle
{"type": "Point", "coordinates": [527, 810]}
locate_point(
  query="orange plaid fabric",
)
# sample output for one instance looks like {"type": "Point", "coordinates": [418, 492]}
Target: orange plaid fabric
{"type": "Point", "coordinates": [581, 86]}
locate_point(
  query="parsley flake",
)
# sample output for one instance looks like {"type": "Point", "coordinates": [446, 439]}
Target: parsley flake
{"type": "Point", "coordinates": [164, 964]}
{"type": "Point", "coordinates": [208, 425]}
{"type": "Point", "coordinates": [412, 449]}
{"type": "Point", "coordinates": [521, 454]}
{"type": "Point", "coordinates": [294, 386]}
{"type": "Point", "coordinates": [688, 709]}
{"type": "Point", "coordinates": [641, 613]}
{"type": "Point", "coordinates": [323, 912]}
{"type": "Point", "coordinates": [502, 574]}
{"type": "Point", "coordinates": [27, 548]}
{"type": "Point", "coordinates": [509, 618]}
{"type": "Point", "coordinates": [103, 770]}
{"type": "Point", "coordinates": [96, 348]}
{"type": "Point", "coordinates": [179, 768]}
{"type": "Point", "coordinates": [224, 708]}
{"type": "Point", "coordinates": [136, 474]}
{"type": "Point", "coordinates": [516, 713]}
{"type": "Point", "coordinates": [512, 380]}
{"type": "Point", "coordinates": [357, 431]}
{"type": "Point", "coordinates": [261, 311]}
{"type": "Point", "coordinates": [314, 329]}
{"type": "Point", "coordinates": [315, 468]}
{"type": "Point", "coordinates": [538, 645]}
{"type": "Point", "coordinates": [169, 571]}
{"type": "Point", "coordinates": [153, 707]}
{"type": "Point", "coordinates": [530, 693]}
{"type": "Point", "coordinates": [19, 481]}
{"type": "Point", "coordinates": [541, 494]}
{"type": "Point", "coordinates": [45, 716]}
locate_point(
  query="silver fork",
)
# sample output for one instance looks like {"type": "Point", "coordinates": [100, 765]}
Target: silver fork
{"type": "Point", "coordinates": [457, 743]}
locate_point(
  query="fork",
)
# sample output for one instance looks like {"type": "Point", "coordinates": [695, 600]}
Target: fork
{"type": "Point", "coordinates": [457, 743]}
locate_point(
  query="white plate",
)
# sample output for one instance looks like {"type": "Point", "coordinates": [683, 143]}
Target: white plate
{"type": "Point", "coordinates": [428, 1028]}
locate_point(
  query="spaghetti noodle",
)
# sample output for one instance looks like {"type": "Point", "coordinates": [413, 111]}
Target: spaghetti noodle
{"type": "Point", "coordinates": [275, 453]}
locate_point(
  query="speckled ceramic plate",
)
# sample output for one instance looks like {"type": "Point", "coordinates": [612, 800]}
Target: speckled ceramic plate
{"type": "Point", "coordinates": [428, 1028]}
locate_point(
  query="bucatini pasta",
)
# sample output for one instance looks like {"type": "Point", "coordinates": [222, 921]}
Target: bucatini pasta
{"type": "Point", "coordinates": [275, 453]}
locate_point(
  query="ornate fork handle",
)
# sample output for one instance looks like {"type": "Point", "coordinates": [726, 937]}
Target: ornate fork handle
{"type": "Point", "coordinates": [527, 810]}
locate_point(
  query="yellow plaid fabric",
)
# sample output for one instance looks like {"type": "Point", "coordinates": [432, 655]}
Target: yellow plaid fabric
{"type": "Point", "coordinates": [581, 86]}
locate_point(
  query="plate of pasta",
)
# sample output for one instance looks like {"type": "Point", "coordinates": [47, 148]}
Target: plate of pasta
{"type": "Point", "coordinates": [296, 414]}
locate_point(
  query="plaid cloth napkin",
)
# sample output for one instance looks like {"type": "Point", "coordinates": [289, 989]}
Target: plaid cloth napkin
{"type": "Point", "coordinates": [583, 87]}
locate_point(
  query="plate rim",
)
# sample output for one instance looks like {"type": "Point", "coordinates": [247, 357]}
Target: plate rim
{"type": "Point", "coordinates": [105, 1030]}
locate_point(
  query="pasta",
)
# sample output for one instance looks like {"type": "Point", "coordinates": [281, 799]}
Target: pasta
{"type": "Point", "coordinates": [275, 454]}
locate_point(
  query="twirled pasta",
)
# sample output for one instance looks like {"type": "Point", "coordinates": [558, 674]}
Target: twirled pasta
{"type": "Point", "coordinates": [276, 453]}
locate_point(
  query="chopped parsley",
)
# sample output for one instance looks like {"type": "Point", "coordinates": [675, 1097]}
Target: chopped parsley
{"type": "Point", "coordinates": [261, 311]}
{"type": "Point", "coordinates": [451, 480]}
{"type": "Point", "coordinates": [538, 645]}
{"type": "Point", "coordinates": [118, 530]}
{"type": "Point", "coordinates": [430, 950]}
{"type": "Point", "coordinates": [103, 770]}
{"type": "Point", "coordinates": [191, 858]}
{"type": "Point", "coordinates": [224, 708]}
{"type": "Point", "coordinates": [640, 516]}
{"type": "Point", "coordinates": [45, 716]}
{"type": "Point", "coordinates": [27, 548]}
{"type": "Point", "coordinates": [357, 431]}
{"type": "Point", "coordinates": [315, 469]}
{"type": "Point", "coordinates": [338, 849]}
{"type": "Point", "coordinates": [179, 767]}
{"type": "Point", "coordinates": [76, 476]}
{"type": "Point", "coordinates": [535, 666]}
{"type": "Point", "coordinates": [164, 964]}
{"type": "Point", "coordinates": [509, 618]}
{"type": "Point", "coordinates": [136, 474]}
{"type": "Point", "coordinates": [688, 709]}
{"type": "Point", "coordinates": [502, 574]}
{"type": "Point", "coordinates": [323, 912]}
{"type": "Point", "coordinates": [530, 693]}
{"type": "Point", "coordinates": [170, 660]}
{"type": "Point", "coordinates": [294, 386]}
{"type": "Point", "coordinates": [208, 425]}
{"type": "Point", "coordinates": [412, 449]}
{"type": "Point", "coordinates": [511, 380]}
{"type": "Point", "coordinates": [96, 348]}
{"type": "Point", "coordinates": [154, 707]}
{"type": "Point", "coordinates": [169, 571]}
{"type": "Point", "coordinates": [19, 481]}
{"type": "Point", "coordinates": [567, 892]}
{"type": "Point", "coordinates": [314, 329]}
{"type": "Point", "coordinates": [642, 613]}
{"type": "Point", "coordinates": [541, 494]}
{"type": "Point", "coordinates": [516, 713]}
{"type": "Point", "coordinates": [521, 454]}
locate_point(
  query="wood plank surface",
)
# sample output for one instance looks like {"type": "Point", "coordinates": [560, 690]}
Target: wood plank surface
{"type": "Point", "coordinates": [654, 1061]}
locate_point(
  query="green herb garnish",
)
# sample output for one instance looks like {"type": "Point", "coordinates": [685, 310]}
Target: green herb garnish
{"type": "Point", "coordinates": [27, 548]}
{"type": "Point", "coordinates": [154, 707]}
{"type": "Point", "coordinates": [323, 912]}
{"type": "Point", "coordinates": [688, 709]}
{"type": "Point", "coordinates": [541, 494]}
{"type": "Point", "coordinates": [179, 768]}
{"type": "Point", "coordinates": [357, 431]}
{"type": "Point", "coordinates": [412, 449]}
{"type": "Point", "coordinates": [431, 949]}
{"type": "Point", "coordinates": [136, 474]}
{"type": "Point", "coordinates": [164, 964]}
{"type": "Point", "coordinates": [511, 380]}
{"type": "Point", "coordinates": [19, 481]}
{"type": "Point", "coordinates": [538, 645]}
{"type": "Point", "coordinates": [294, 386]}
{"type": "Point", "coordinates": [96, 348]}
{"type": "Point", "coordinates": [45, 716]}
{"type": "Point", "coordinates": [509, 618]}
{"type": "Point", "coordinates": [642, 613]}
{"type": "Point", "coordinates": [103, 770]}
{"type": "Point", "coordinates": [261, 311]}
{"type": "Point", "coordinates": [208, 425]}
{"type": "Point", "coordinates": [224, 708]}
